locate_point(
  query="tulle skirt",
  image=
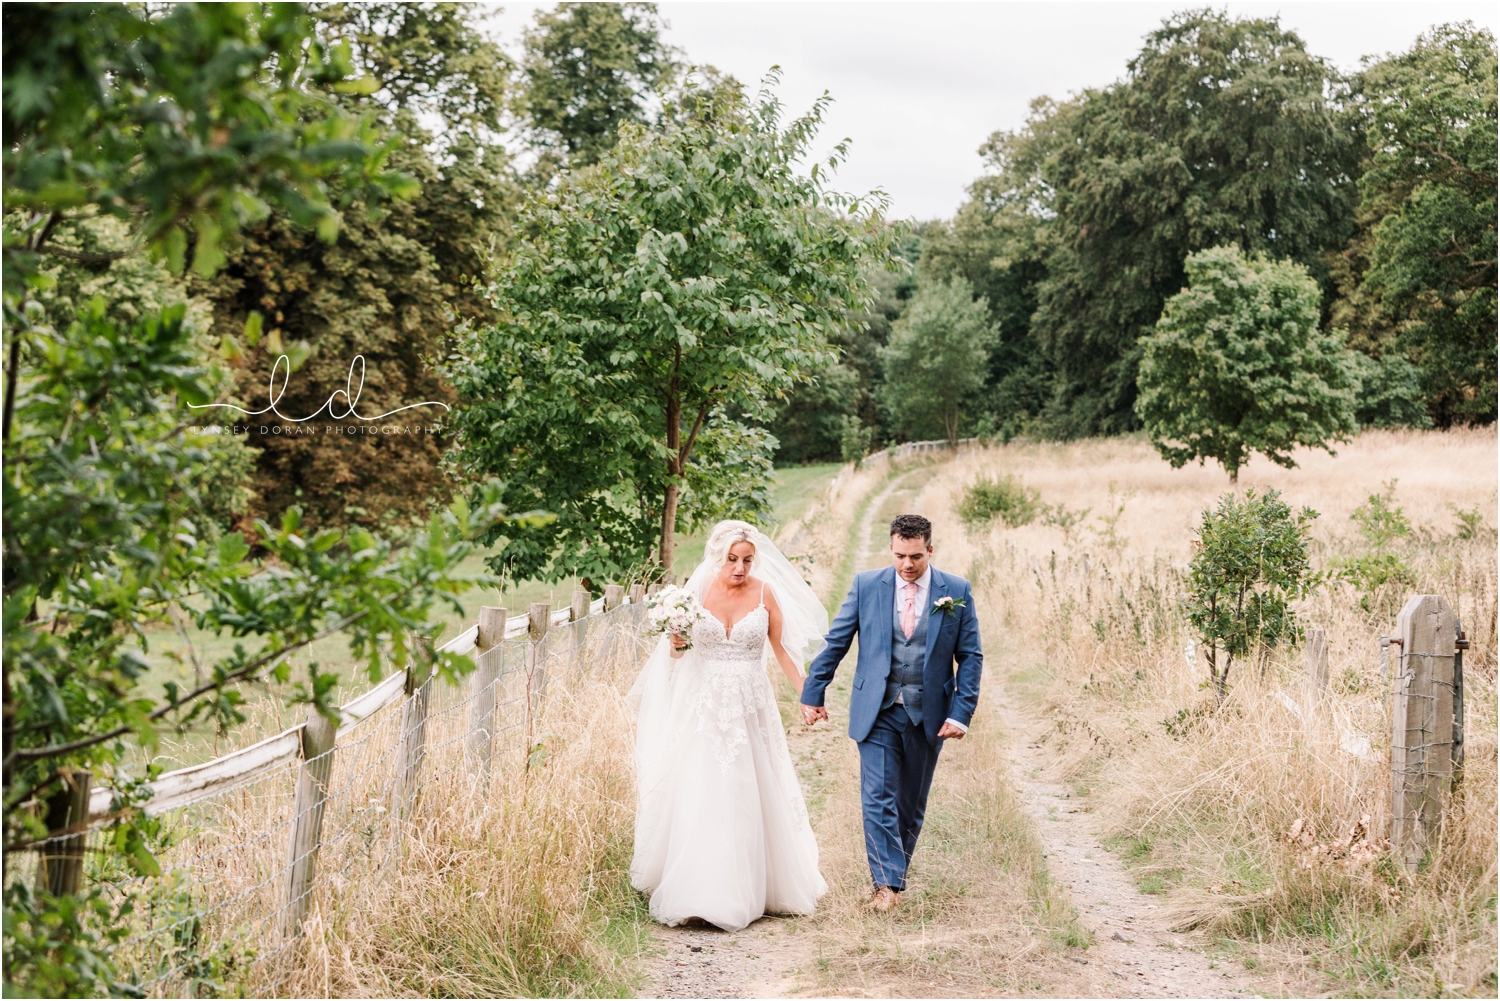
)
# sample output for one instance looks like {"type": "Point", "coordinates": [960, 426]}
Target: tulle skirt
{"type": "Point", "coordinates": [721, 830]}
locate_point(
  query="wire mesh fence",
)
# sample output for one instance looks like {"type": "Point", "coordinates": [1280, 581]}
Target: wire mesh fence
{"type": "Point", "coordinates": [245, 861]}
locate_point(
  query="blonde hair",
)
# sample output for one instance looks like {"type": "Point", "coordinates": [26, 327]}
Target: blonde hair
{"type": "Point", "coordinates": [726, 534]}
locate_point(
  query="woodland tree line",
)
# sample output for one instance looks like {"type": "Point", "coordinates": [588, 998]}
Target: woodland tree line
{"type": "Point", "coordinates": [1222, 131]}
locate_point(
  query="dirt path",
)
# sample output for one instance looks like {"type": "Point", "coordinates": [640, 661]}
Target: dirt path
{"type": "Point", "coordinates": [1134, 952]}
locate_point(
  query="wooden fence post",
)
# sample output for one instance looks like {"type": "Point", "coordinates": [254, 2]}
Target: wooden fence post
{"type": "Point", "coordinates": [637, 593]}
{"type": "Point", "coordinates": [613, 595]}
{"type": "Point", "coordinates": [319, 735]}
{"type": "Point", "coordinates": [479, 742]}
{"type": "Point", "coordinates": [539, 619]}
{"type": "Point", "coordinates": [578, 632]}
{"type": "Point", "coordinates": [1422, 723]}
{"type": "Point", "coordinates": [1317, 659]}
{"type": "Point", "coordinates": [413, 737]}
{"type": "Point", "coordinates": [61, 869]}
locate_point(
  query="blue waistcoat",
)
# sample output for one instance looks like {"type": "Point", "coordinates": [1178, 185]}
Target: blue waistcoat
{"type": "Point", "coordinates": [908, 657]}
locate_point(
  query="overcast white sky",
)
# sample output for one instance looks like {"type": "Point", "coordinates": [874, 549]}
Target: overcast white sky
{"type": "Point", "coordinates": [918, 86]}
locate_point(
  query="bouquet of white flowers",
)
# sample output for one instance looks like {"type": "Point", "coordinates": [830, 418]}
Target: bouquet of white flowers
{"type": "Point", "coordinates": [675, 610]}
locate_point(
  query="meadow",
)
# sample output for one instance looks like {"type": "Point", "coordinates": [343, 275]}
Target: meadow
{"type": "Point", "coordinates": [1208, 804]}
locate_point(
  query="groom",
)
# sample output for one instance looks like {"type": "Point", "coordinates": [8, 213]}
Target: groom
{"type": "Point", "coordinates": [914, 622]}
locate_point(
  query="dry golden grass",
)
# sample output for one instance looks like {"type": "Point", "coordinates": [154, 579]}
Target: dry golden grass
{"type": "Point", "coordinates": [982, 916]}
{"type": "Point", "coordinates": [1095, 637]}
{"type": "Point", "coordinates": [520, 891]}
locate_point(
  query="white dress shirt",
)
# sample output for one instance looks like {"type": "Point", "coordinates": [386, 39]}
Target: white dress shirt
{"type": "Point", "coordinates": [924, 587]}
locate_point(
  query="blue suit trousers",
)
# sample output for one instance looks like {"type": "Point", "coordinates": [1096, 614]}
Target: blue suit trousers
{"type": "Point", "coordinates": [895, 773]}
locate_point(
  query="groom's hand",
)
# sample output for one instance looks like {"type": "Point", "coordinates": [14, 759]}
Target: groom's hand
{"type": "Point", "coordinates": [946, 732]}
{"type": "Point", "coordinates": [811, 714]}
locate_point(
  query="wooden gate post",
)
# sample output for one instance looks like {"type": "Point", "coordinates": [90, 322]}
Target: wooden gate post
{"type": "Point", "coordinates": [61, 870]}
{"type": "Point", "coordinates": [637, 593]}
{"type": "Point", "coordinates": [479, 743]}
{"type": "Point", "coordinates": [319, 735]}
{"type": "Point", "coordinates": [1422, 724]}
{"type": "Point", "coordinates": [1317, 659]}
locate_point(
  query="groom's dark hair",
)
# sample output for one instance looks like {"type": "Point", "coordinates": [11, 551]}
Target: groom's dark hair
{"type": "Point", "coordinates": [912, 526]}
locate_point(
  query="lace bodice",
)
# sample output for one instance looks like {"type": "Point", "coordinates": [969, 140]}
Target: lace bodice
{"type": "Point", "coordinates": [744, 643]}
{"type": "Point", "coordinates": [734, 686]}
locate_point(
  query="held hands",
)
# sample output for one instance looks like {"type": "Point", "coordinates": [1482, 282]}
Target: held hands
{"type": "Point", "coordinates": [811, 714]}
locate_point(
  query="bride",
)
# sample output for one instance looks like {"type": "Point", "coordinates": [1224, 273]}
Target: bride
{"type": "Point", "coordinates": [721, 831]}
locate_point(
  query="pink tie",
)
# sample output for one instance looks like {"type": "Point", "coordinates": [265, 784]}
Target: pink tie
{"type": "Point", "coordinates": [909, 612]}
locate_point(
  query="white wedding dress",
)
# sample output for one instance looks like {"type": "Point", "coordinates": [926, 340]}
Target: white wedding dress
{"type": "Point", "coordinates": [721, 829]}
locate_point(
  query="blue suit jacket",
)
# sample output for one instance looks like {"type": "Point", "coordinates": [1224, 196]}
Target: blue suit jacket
{"type": "Point", "coordinates": [868, 612]}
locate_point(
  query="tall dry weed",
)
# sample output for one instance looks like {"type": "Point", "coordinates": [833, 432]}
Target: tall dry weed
{"type": "Point", "coordinates": [1203, 798]}
{"type": "Point", "coordinates": [520, 890]}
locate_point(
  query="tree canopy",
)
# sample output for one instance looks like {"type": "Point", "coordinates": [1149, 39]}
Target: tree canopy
{"type": "Point", "coordinates": [654, 306]}
{"type": "Point", "coordinates": [182, 123]}
{"type": "Point", "coordinates": [588, 69]}
{"type": "Point", "coordinates": [1430, 194]}
{"type": "Point", "coordinates": [1237, 365]}
{"type": "Point", "coordinates": [937, 359]}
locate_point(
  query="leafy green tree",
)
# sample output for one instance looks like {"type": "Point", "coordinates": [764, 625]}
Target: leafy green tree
{"type": "Point", "coordinates": [655, 303]}
{"type": "Point", "coordinates": [1251, 564]}
{"type": "Point", "coordinates": [588, 69]}
{"type": "Point", "coordinates": [1000, 241]}
{"type": "Point", "coordinates": [1390, 392]}
{"type": "Point", "coordinates": [1220, 134]}
{"type": "Point", "coordinates": [1431, 184]}
{"type": "Point", "coordinates": [809, 424]}
{"type": "Point", "coordinates": [937, 358]}
{"type": "Point", "coordinates": [1237, 365]}
{"type": "Point", "coordinates": [390, 288]}
{"type": "Point", "coordinates": [184, 122]}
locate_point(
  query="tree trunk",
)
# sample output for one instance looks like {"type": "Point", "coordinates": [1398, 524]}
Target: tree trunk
{"type": "Point", "coordinates": [1234, 476]}
{"type": "Point", "coordinates": [680, 451]}
{"type": "Point", "coordinates": [668, 526]}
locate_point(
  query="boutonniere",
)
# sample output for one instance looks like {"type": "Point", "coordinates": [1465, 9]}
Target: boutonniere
{"type": "Point", "coordinates": [947, 605]}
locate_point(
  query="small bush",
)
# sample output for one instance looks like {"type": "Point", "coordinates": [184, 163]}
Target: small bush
{"type": "Point", "coordinates": [1251, 565]}
{"type": "Point", "coordinates": [1005, 497]}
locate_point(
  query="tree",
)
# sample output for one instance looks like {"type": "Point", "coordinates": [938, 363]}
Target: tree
{"type": "Point", "coordinates": [1251, 563]}
{"type": "Point", "coordinates": [183, 122]}
{"type": "Point", "coordinates": [1220, 134]}
{"type": "Point", "coordinates": [390, 288]}
{"type": "Point", "coordinates": [588, 69]}
{"type": "Point", "coordinates": [1237, 365]}
{"type": "Point", "coordinates": [655, 303]}
{"type": "Point", "coordinates": [937, 358]}
{"type": "Point", "coordinates": [809, 426]}
{"type": "Point", "coordinates": [1000, 241]}
{"type": "Point", "coordinates": [1430, 197]}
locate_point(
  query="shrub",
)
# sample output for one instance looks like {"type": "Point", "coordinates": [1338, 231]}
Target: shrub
{"type": "Point", "coordinates": [1006, 497]}
{"type": "Point", "coordinates": [854, 440]}
{"type": "Point", "coordinates": [1252, 561]}
{"type": "Point", "coordinates": [1379, 570]}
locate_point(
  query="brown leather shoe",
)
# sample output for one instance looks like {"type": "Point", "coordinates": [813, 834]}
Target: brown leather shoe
{"type": "Point", "coordinates": [884, 899]}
